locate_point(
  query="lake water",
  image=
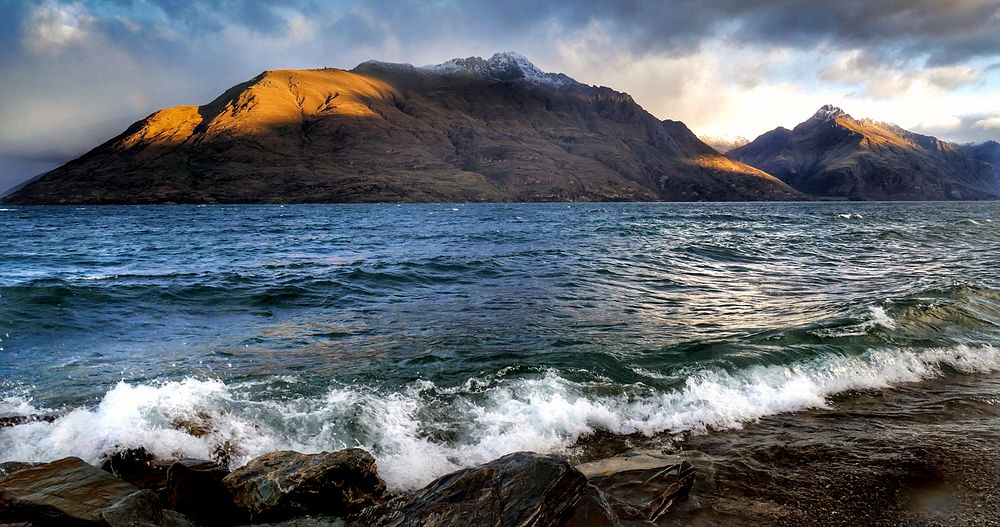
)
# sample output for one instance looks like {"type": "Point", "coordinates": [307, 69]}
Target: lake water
{"type": "Point", "coordinates": [440, 336]}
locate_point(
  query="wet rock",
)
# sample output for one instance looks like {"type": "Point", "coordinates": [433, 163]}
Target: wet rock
{"type": "Point", "coordinates": [15, 420]}
{"type": "Point", "coordinates": [522, 489]}
{"type": "Point", "coordinates": [67, 491]}
{"type": "Point", "coordinates": [11, 467]}
{"type": "Point", "coordinates": [309, 521]}
{"type": "Point", "coordinates": [140, 468]}
{"type": "Point", "coordinates": [139, 508]}
{"type": "Point", "coordinates": [285, 484]}
{"type": "Point", "coordinates": [197, 425]}
{"type": "Point", "coordinates": [593, 510]}
{"type": "Point", "coordinates": [195, 489]}
{"type": "Point", "coordinates": [176, 519]}
{"type": "Point", "coordinates": [634, 488]}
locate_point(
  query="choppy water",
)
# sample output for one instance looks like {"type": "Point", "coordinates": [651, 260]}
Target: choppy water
{"type": "Point", "coordinates": [439, 336]}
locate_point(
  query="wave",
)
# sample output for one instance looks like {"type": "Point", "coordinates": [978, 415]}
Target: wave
{"type": "Point", "coordinates": [423, 431]}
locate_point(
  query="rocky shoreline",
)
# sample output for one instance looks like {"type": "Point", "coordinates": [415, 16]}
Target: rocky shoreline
{"type": "Point", "coordinates": [132, 488]}
{"type": "Point", "coordinates": [923, 454]}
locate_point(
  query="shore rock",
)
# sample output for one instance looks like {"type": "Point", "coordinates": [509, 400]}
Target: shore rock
{"type": "Point", "coordinates": [67, 491]}
{"type": "Point", "coordinates": [139, 508]}
{"type": "Point", "coordinates": [522, 489]}
{"type": "Point", "coordinates": [631, 489]}
{"type": "Point", "coordinates": [195, 489]}
{"type": "Point", "coordinates": [286, 484]}
{"type": "Point", "coordinates": [11, 467]}
{"type": "Point", "coordinates": [16, 420]}
{"type": "Point", "coordinates": [140, 468]}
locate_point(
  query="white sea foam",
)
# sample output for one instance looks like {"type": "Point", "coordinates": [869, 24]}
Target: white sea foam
{"type": "Point", "coordinates": [19, 405]}
{"type": "Point", "coordinates": [93, 277]}
{"type": "Point", "coordinates": [877, 317]}
{"type": "Point", "coordinates": [493, 416]}
{"type": "Point", "coordinates": [850, 216]}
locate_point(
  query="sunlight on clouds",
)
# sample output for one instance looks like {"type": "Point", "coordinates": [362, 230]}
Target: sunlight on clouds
{"type": "Point", "coordinates": [720, 90]}
{"type": "Point", "coordinates": [300, 31]}
{"type": "Point", "coordinates": [885, 81]}
{"type": "Point", "coordinates": [989, 123]}
{"type": "Point", "coordinates": [50, 27]}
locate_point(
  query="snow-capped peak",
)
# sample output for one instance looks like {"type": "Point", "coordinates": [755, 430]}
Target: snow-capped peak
{"type": "Point", "coordinates": [507, 67]}
{"type": "Point", "coordinates": [828, 111]}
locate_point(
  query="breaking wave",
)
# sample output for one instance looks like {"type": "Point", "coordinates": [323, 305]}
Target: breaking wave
{"type": "Point", "coordinates": [424, 430]}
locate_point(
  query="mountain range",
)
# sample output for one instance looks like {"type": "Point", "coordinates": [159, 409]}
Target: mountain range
{"type": "Point", "coordinates": [832, 154]}
{"type": "Point", "coordinates": [497, 129]}
{"type": "Point", "coordinates": [474, 129]}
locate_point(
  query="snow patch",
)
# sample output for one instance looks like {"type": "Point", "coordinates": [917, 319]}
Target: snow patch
{"type": "Point", "coordinates": [507, 67]}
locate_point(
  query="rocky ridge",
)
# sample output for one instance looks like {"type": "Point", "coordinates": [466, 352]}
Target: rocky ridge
{"type": "Point", "coordinates": [473, 129]}
{"type": "Point", "coordinates": [832, 154]}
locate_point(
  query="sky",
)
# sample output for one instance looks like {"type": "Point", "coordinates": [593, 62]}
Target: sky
{"type": "Point", "coordinates": [74, 74]}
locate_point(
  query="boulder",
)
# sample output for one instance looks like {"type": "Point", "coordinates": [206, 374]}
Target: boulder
{"type": "Point", "coordinates": [633, 488]}
{"type": "Point", "coordinates": [594, 510]}
{"type": "Point", "coordinates": [195, 489]}
{"type": "Point", "coordinates": [11, 467]}
{"type": "Point", "coordinates": [67, 491]}
{"type": "Point", "coordinates": [140, 468]}
{"type": "Point", "coordinates": [522, 489]}
{"type": "Point", "coordinates": [142, 507]}
{"type": "Point", "coordinates": [286, 484]}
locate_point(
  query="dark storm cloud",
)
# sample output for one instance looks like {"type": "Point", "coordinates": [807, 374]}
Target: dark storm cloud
{"type": "Point", "coordinates": [944, 32]}
{"type": "Point", "coordinates": [260, 15]}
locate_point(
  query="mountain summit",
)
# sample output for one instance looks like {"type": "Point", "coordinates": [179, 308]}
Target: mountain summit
{"type": "Point", "coordinates": [833, 154]}
{"type": "Point", "coordinates": [472, 129]}
{"type": "Point", "coordinates": [829, 112]}
{"type": "Point", "coordinates": [506, 67]}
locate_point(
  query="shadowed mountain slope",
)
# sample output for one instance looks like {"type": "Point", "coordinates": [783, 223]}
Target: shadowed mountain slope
{"type": "Point", "coordinates": [466, 130]}
{"type": "Point", "coordinates": [832, 154]}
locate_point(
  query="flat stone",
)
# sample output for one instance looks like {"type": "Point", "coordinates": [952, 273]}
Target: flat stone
{"type": "Point", "coordinates": [286, 484]}
{"type": "Point", "coordinates": [67, 491]}
{"type": "Point", "coordinates": [639, 487]}
{"type": "Point", "coordinates": [522, 489]}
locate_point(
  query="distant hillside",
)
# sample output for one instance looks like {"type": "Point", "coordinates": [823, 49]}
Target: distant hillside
{"type": "Point", "coordinates": [988, 152]}
{"type": "Point", "coordinates": [466, 130]}
{"type": "Point", "coordinates": [832, 154]}
{"type": "Point", "coordinates": [724, 144]}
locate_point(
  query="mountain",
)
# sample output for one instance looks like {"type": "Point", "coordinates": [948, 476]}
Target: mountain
{"type": "Point", "coordinates": [724, 144]}
{"type": "Point", "coordinates": [987, 152]}
{"type": "Point", "coordinates": [474, 129]}
{"type": "Point", "coordinates": [832, 154]}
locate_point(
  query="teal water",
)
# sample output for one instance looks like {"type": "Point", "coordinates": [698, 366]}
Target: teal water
{"type": "Point", "coordinates": [439, 336]}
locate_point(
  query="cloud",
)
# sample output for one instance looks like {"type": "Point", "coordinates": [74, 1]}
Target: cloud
{"type": "Point", "coordinates": [885, 81]}
{"type": "Point", "coordinates": [968, 128]}
{"type": "Point", "coordinates": [990, 124]}
{"type": "Point", "coordinates": [50, 27]}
